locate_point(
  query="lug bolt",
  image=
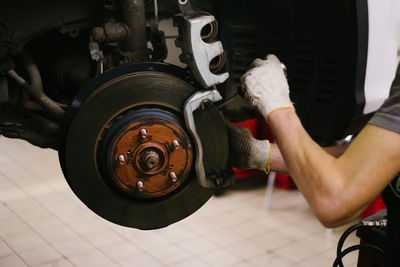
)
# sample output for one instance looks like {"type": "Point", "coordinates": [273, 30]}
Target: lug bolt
{"type": "Point", "coordinates": [121, 159]}
{"type": "Point", "coordinates": [143, 133]}
{"type": "Point", "coordinates": [176, 144]}
{"type": "Point", "coordinates": [173, 177]}
{"type": "Point", "coordinates": [139, 185]}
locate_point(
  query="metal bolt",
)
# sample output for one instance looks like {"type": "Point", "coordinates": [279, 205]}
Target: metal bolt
{"type": "Point", "coordinates": [176, 144]}
{"type": "Point", "coordinates": [139, 185]}
{"type": "Point", "coordinates": [121, 159]}
{"type": "Point", "coordinates": [173, 177]}
{"type": "Point", "coordinates": [143, 133]}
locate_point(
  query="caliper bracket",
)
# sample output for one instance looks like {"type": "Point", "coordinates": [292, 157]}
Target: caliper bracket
{"type": "Point", "coordinates": [211, 140]}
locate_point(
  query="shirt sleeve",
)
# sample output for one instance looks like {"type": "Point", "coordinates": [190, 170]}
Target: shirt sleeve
{"type": "Point", "coordinates": [388, 115]}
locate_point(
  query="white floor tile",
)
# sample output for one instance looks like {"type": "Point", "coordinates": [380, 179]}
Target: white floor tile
{"type": "Point", "coordinates": [243, 264]}
{"type": "Point", "coordinates": [10, 192]}
{"type": "Point", "coordinates": [150, 241]}
{"type": "Point", "coordinates": [231, 218]}
{"type": "Point", "coordinates": [26, 242]}
{"type": "Point", "coordinates": [321, 242]}
{"type": "Point", "coordinates": [224, 237]}
{"type": "Point", "coordinates": [5, 250]}
{"type": "Point", "coordinates": [295, 252]}
{"type": "Point", "coordinates": [69, 247]}
{"type": "Point", "coordinates": [57, 263]}
{"type": "Point", "coordinates": [192, 262]}
{"type": "Point", "coordinates": [87, 228]}
{"type": "Point", "coordinates": [12, 261]}
{"type": "Point", "coordinates": [121, 250]}
{"type": "Point", "coordinates": [91, 258]}
{"type": "Point", "coordinates": [104, 238]}
{"type": "Point", "coordinates": [319, 260]}
{"type": "Point", "coordinates": [177, 232]}
{"type": "Point", "coordinates": [270, 241]}
{"type": "Point", "coordinates": [197, 245]}
{"type": "Point", "coordinates": [269, 260]}
{"type": "Point", "coordinates": [294, 233]}
{"type": "Point", "coordinates": [220, 258]}
{"type": "Point", "coordinates": [40, 255]}
{"type": "Point", "coordinates": [11, 226]}
{"type": "Point", "coordinates": [203, 225]}
{"type": "Point", "coordinates": [55, 233]}
{"type": "Point", "coordinates": [140, 260]}
{"type": "Point", "coordinates": [249, 228]}
{"type": "Point", "coordinates": [170, 254]}
{"type": "Point", "coordinates": [270, 221]}
{"type": "Point", "coordinates": [246, 250]}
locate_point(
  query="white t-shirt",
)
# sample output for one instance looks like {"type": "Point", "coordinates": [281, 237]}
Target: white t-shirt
{"type": "Point", "coordinates": [383, 42]}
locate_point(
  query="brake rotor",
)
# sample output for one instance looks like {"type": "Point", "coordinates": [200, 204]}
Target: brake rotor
{"type": "Point", "coordinates": [126, 152]}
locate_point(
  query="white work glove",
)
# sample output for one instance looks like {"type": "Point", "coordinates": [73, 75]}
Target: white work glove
{"type": "Point", "coordinates": [246, 152]}
{"type": "Point", "coordinates": [266, 85]}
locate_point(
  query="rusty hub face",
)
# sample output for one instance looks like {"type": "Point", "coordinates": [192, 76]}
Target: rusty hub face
{"type": "Point", "coordinates": [150, 155]}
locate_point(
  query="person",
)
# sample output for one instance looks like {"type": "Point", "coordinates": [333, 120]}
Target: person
{"type": "Point", "coordinates": [337, 182]}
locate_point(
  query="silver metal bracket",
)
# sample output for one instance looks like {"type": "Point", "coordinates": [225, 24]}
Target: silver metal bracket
{"type": "Point", "coordinates": [191, 105]}
{"type": "Point", "coordinates": [195, 52]}
{"type": "Point", "coordinates": [185, 7]}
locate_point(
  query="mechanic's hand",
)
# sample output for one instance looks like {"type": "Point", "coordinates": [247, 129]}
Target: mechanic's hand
{"type": "Point", "coordinates": [266, 85]}
{"type": "Point", "coordinates": [246, 152]}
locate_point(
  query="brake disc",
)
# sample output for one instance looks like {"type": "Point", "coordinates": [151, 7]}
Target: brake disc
{"type": "Point", "coordinates": [126, 152]}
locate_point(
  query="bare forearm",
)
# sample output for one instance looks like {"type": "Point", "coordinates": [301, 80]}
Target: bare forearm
{"type": "Point", "coordinates": [302, 156]}
{"type": "Point", "coordinates": [313, 169]}
{"type": "Point", "coordinates": [278, 164]}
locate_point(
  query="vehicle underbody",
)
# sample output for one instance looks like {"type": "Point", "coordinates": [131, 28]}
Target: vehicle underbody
{"type": "Point", "coordinates": [142, 142]}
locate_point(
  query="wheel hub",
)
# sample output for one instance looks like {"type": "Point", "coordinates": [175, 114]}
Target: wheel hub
{"type": "Point", "coordinates": [147, 153]}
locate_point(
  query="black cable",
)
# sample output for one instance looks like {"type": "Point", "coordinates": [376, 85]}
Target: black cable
{"type": "Point", "coordinates": [225, 102]}
{"type": "Point", "coordinates": [367, 223]}
{"type": "Point", "coordinates": [239, 92]}
{"type": "Point", "coordinates": [339, 258]}
{"type": "Point", "coordinates": [343, 239]}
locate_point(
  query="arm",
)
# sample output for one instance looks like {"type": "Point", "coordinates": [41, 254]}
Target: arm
{"type": "Point", "coordinates": [337, 189]}
{"type": "Point", "coordinates": [278, 164]}
{"type": "Point", "coordinates": [246, 152]}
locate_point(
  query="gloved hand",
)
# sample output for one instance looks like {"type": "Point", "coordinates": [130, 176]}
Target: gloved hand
{"type": "Point", "coordinates": [266, 85]}
{"type": "Point", "coordinates": [246, 152]}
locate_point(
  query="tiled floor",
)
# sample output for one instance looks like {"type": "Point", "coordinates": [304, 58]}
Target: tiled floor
{"type": "Point", "coordinates": [42, 223]}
